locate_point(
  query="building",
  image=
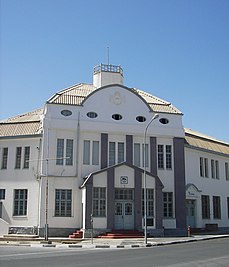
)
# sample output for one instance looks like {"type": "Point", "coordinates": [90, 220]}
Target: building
{"type": "Point", "coordinates": [87, 153]}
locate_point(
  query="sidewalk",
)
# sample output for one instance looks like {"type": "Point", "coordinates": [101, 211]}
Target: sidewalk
{"type": "Point", "coordinates": [104, 243]}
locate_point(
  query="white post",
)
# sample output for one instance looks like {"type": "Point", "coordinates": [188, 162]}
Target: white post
{"type": "Point", "coordinates": [144, 161]}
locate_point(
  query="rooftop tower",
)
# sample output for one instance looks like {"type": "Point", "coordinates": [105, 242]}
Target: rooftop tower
{"type": "Point", "coordinates": [107, 74]}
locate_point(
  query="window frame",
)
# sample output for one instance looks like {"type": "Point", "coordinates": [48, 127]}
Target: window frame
{"type": "Point", "coordinates": [63, 203]}
{"type": "Point", "coordinates": [4, 162]}
{"type": "Point", "coordinates": [18, 157]}
{"type": "Point", "coordinates": [205, 207]}
{"type": "Point", "coordinates": [20, 202]}
{"type": "Point", "coordinates": [168, 205]}
{"type": "Point", "coordinates": [99, 201]}
{"type": "Point", "coordinates": [216, 207]}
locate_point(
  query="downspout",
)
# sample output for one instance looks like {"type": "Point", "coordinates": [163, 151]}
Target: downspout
{"type": "Point", "coordinates": [77, 144]}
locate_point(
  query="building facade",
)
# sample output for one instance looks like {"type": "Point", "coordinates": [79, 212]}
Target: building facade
{"type": "Point", "coordinates": [83, 157]}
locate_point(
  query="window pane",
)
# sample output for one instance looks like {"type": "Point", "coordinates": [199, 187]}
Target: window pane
{"type": "Point", "coordinates": [26, 157]}
{"type": "Point", "coordinates": [137, 154]}
{"type": "Point", "coordinates": [160, 156]}
{"type": "Point", "coordinates": [145, 154]}
{"type": "Point", "coordinates": [168, 157]}
{"type": "Point", "coordinates": [63, 202]}
{"type": "Point", "coordinates": [69, 152]}
{"type": "Point", "coordinates": [111, 153]}
{"type": "Point", "coordinates": [18, 158]}
{"type": "Point", "coordinates": [120, 152]}
{"type": "Point", "coordinates": [20, 202]}
{"type": "Point", "coordinates": [60, 152]}
{"type": "Point", "coordinates": [86, 152]}
{"type": "Point", "coordinates": [95, 153]}
{"type": "Point", "coordinates": [4, 157]}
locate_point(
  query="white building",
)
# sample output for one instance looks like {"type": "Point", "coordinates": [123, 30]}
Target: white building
{"type": "Point", "coordinates": [82, 155]}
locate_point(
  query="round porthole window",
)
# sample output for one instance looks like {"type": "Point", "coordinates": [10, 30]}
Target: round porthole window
{"type": "Point", "coordinates": [66, 112]}
{"type": "Point", "coordinates": [164, 121]}
{"type": "Point", "coordinates": [117, 117]}
{"type": "Point", "coordinates": [92, 114]}
{"type": "Point", "coordinates": [140, 118]}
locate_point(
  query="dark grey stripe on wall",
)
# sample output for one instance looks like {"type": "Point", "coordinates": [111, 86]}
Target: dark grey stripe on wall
{"type": "Point", "coordinates": [159, 203]}
{"type": "Point", "coordinates": [104, 150]}
{"type": "Point", "coordinates": [89, 195]}
{"type": "Point", "coordinates": [129, 149]}
{"type": "Point", "coordinates": [153, 155]}
{"type": "Point", "coordinates": [110, 198]}
{"type": "Point", "coordinates": [179, 182]}
{"type": "Point", "coordinates": [138, 199]}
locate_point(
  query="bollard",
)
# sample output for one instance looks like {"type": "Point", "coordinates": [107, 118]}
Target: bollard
{"type": "Point", "coordinates": [189, 231]}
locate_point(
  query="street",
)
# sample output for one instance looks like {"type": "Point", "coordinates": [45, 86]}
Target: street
{"type": "Point", "coordinates": [203, 253]}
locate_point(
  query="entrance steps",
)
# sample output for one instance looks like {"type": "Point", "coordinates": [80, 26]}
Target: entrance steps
{"type": "Point", "coordinates": [115, 234]}
{"type": "Point", "coordinates": [77, 234]}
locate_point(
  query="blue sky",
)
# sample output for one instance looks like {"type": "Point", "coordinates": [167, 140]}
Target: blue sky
{"type": "Point", "coordinates": [177, 50]}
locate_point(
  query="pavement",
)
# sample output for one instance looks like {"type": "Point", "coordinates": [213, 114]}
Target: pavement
{"type": "Point", "coordinates": [102, 243]}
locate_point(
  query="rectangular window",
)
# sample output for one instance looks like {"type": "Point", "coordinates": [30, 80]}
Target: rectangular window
{"type": "Point", "coordinates": [124, 194]}
{"type": "Point", "coordinates": [205, 207]}
{"type": "Point", "coordinates": [120, 152]}
{"type": "Point", "coordinates": [86, 152]}
{"type": "Point", "coordinates": [150, 202]}
{"type": "Point", "coordinates": [26, 157]}
{"type": "Point", "coordinates": [2, 193]}
{"type": "Point", "coordinates": [226, 171]}
{"type": "Point", "coordinates": [213, 168]}
{"type": "Point", "coordinates": [201, 167]}
{"type": "Point", "coordinates": [69, 152]}
{"type": "Point", "coordinates": [206, 167]}
{"type": "Point", "coordinates": [168, 204]}
{"type": "Point", "coordinates": [99, 202]}
{"type": "Point", "coordinates": [60, 152]}
{"type": "Point", "coordinates": [137, 154]}
{"type": "Point", "coordinates": [4, 157]}
{"type": "Point", "coordinates": [216, 207]}
{"type": "Point", "coordinates": [160, 156]}
{"type": "Point", "coordinates": [63, 203]}
{"type": "Point", "coordinates": [217, 169]}
{"type": "Point", "coordinates": [112, 153]}
{"type": "Point", "coordinates": [95, 153]}
{"type": "Point", "coordinates": [20, 202]}
{"type": "Point", "coordinates": [18, 158]}
{"type": "Point", "coordinates": [145, 154]}
{"type": "Point", "coordinates": [168, 157]}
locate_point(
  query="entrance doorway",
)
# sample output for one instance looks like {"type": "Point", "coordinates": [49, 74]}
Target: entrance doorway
{"type": "Point", "coordinates": [191, 213]}
{"type": "Point", "coordinates": [124, 208]}
{"type": "Point", "coordinates": [124, 215]}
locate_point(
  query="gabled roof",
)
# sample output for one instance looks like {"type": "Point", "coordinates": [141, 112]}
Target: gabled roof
{"type": "Point", "coordinates": [88, 177]}
{"type": "Point", "coordinates": [76, 95]}
{"type": "Point", "coordinates": [200, 141]}
{"type": "Point", "coordinates": [22, 125]}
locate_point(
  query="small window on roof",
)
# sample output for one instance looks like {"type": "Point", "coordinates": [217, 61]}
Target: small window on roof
{"type": "Point", "coordinates": [140, 118]}
{"type": "Point", "coordinates": [117, 117]}
{"type": "Point", "coordinates": [92, 114]}
{"type": "Point", "coordinates": [164, 121]}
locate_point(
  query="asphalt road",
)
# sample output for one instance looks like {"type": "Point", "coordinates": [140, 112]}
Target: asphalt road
{"type": "Point", "coordinates": [203, 253]}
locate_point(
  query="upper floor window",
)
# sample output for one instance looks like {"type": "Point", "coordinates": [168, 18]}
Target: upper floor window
{"type": "Point", "coordinates": [2, 193]}
{"type": "Point", "coordinates": [64, 152]}
{"type": "Point", "coordinates": [4, 157]}
{"type": "Point", "coordinates": [117, 117]}
{"type": "Point", "coordinates": [116, 153]}
{"type": "Point", "coordinates": [164, 159]}
{"type": "Point", "coordinates": [140, 118]}
{"type": "Point", "coordinates": [90, 152]}
{"type": "Point", "coordinates": [92, 114]}
{"type": "Point", "coordinates": [227, 171]}
{"type": "Point", "coordinates": [26, 157]}
{"type": "Point", "coordinates": [18, 158]}
{"type": "Point", "coordinates": [141, 156]}
{"type": "Point", "coordinates": [215, 169]}
{"type": "Point", "coordinates": [203, 167]}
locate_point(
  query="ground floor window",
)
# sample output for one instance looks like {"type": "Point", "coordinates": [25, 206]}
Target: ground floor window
{"type": "Point", "coordinates": [99, 201]}
{"type": "Point", "coordinates": [168, 204]}
{"type": "Point", "coordinates": [205, 207]}
{"type": "Point", "coordinates": [216, 207]}
{"type": "Point", "coordinates": [20, 202]}
{"type": "Point", "coordinates": [149, 205]}
{"type": "Point", "coordinates": [63, 203]}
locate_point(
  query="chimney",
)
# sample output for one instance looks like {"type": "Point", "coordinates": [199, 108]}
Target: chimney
{"type": "Point", "coordinates": [107, 74]}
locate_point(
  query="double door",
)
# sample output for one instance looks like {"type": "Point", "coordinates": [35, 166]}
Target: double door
{"type": "Point", "coordinates": [124, 215]}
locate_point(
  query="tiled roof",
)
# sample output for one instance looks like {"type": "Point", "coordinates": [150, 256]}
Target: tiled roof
{"type": "Point", "coordinates": [201, 141]}
{"type": "Point", "coordinates": [21, 125]}
{"type": "Point", "coordinates": [76, 94]}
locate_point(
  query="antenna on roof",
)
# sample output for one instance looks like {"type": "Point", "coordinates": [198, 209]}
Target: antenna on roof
{"type": "Point", "coordinates": [108, 56]}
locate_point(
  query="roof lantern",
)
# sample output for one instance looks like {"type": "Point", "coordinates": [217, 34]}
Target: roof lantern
{"type": "Point", "coordinates": [105, 74]}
